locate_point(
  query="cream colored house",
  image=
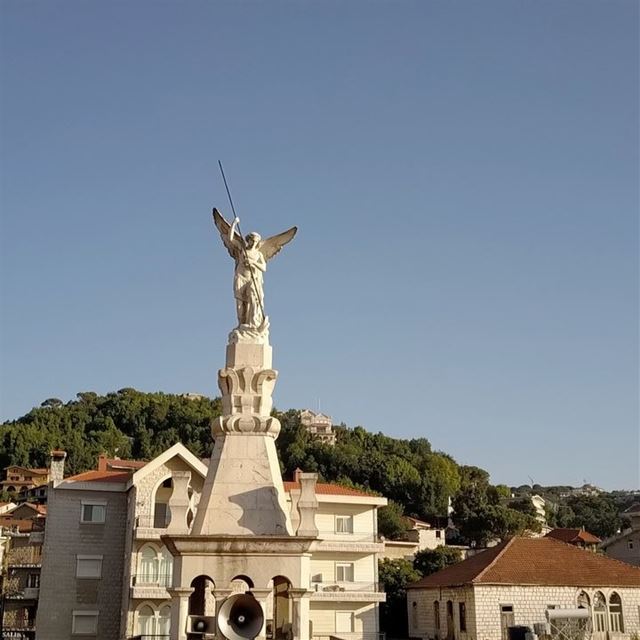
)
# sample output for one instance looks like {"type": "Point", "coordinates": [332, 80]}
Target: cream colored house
{"type": "Point", "coordinates": [625, 546]}
{"type": "Point", "coordinates": [106, 572]}
{"type": "Point", "coordinates": [517, 583]}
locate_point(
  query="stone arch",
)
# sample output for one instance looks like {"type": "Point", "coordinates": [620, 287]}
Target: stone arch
{"type": "Point", "coordinates": [145, 619]}
{"type": "Point", "coordinates": [160, 495]}
{"type": "Point", "coordinates": [202, 600]}
{"type": "Point", "coordinates": [616, 621]}
{"type": "Point", "coordinates": [147, 572]}
{"type": "Point", "coordinates": [599, 609]}
{"type": "Point", "coordinates": [583, 601]}
{"type": "Point", "coordinates": [282, 626]}
{"type": "Point", "coordinates": [241, 583]}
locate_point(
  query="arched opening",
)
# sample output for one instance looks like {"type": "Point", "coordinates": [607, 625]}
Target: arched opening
{"type": "Point", "coordinates": [436, 617]}
{"type": "Point", "coordinates": [451, 634]}
{"type": "Point", "coordinates": [240, 584]}
{"type": "Point", "coordinates": [282, 610]}
{"type": "Point", "coordinates": [616, 623]}
{"type": "Point", "coordinates": [146, 620]}
{"type": "Point", "coordinates": [165, 567]}
{"type": "Point", "coordinates": [148, 569]}
{"type": "Point", "coordinates": [599, 613]}
{"type": "Point", "coordinates": [583, 601]}
{"type": "Point", "coordinates": [161, 498]}
{"type": "Point", "coordinates": [202, 601]}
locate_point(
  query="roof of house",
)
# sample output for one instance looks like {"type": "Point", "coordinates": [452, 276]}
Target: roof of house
{"type": "Point", "coordinates": [100, 476]}
{"type": "Point", "coordinates": [38, 471]}
{"type": "Point", "coordinates": [535, 562]}
{"type": "Point", "coordinates": [634, 508]}
{"type": "Point", "coordinates": [323, 488]}
{"type": "Point", "coordinates": [113, 464]}
{"type": "Point", "coordinates": [573, 536]}
{"type": "Point", "coordinates": [414, 522]}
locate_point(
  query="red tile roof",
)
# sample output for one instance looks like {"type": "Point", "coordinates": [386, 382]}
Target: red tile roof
{"type": "Point", "coordinates": [535, 561]}
{"type": "Point", "coordinates": [573, 536]}
{"type": "Point", "coordinates": [330, 489]}
{"type": "Point", "coordinates": [100, 476]}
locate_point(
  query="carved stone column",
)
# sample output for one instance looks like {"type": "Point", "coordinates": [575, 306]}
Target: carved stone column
{"type": "Point", "coordinates": [179, 611]}
{"type": "Point", "coordinates": [300, 603]}
{"type": "Point", "coordinates": [179, 502]}
{"type": "Point", "coordinates": [307, 504]}
{"type": "Point", "coordinates": [261, 595]}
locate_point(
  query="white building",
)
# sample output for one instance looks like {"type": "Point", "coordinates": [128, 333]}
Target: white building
{"type": "Point", "coordinates": [319, 425]}
{"type": "Point", "coordinates": [625, 546]}
{"type": "Point", "coordinates": [516, 583]}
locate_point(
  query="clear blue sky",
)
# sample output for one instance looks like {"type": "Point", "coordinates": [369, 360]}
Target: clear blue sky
{"type": "Point", "coordinates": [464, 176]}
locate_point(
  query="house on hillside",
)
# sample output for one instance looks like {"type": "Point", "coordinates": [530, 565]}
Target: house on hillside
{"type": "Point", "coordinates": [517, 583]}
{"type": "Point", "coordinates": [319, 425]}
{"type": "Point", "coordinates": [625, 546]}
{"type": "Point", "coordinates": [419, 535]}
{"type": "Point", "coordinates": [19, 478]}
{"type": "Point", "coordinates": [577, 537]}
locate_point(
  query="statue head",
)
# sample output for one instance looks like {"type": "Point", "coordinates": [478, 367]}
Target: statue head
{"type": "Point", "coordinates": [253, 239]}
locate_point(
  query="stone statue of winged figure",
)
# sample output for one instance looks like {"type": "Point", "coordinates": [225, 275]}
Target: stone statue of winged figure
{"type": "Point", "coordinates": [251, 255]}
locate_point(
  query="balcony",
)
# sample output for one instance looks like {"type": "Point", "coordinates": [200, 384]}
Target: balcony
{"type": "Point", "coordinates": [15, 589]}
{"type": "Point", "coordinates": [352, 542]}
{"type": "Point", "coordinates": [151, 527]}
{"type": "Point", "coordinates": [28, 557]}
{"type": "Point", "coordinates": [149, 586]}
{"type": "Point", "coordinates": [351, 590]}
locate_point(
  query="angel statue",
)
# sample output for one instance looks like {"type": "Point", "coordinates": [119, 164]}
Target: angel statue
{"type": "Point", "coordinates": [251, 255]}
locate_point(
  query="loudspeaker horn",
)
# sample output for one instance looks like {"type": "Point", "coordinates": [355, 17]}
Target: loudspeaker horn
{"type": "Point", "coordinates": [201, 624]}
{"type": "Point", "coordinates": [240, 617]}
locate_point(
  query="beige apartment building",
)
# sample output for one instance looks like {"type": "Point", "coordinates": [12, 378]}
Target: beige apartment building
{"type": "Point", "coordinates": [106, 572]}
{"type": "Point", "coordinates": [625, 546]}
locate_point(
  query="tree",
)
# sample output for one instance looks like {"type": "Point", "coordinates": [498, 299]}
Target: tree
{"type": "Point", "coordinates": [430, 561]}
{"type": "Point", "coordinates": [395, 575]}
{"type": "Point", "coordinates": [391, 522]}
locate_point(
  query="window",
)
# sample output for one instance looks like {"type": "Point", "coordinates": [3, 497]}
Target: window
{"type": "Point", "coordinates": [85, 623]}
{"type": "Point", "coordinates": [438, 533]}
{"type": "Point", "coordinates": [436, 615]}
{"type": "Point", "coordinates": [414, 614]}
{"type": "Point", "coordinates": [146, 621]}
{"type": "Point", "coordinates": [615, 613]}
{"type": "Point", "coordinates": [630, 544]}
{"type": "Point", "coordinates": [93, 512]}
{"type": "Point", "coordinates": [462, 610]}
{"type": "Point", "coordinates": [344, 621]}
{"type": "Point", "coordinates": [33, 581]}
{"type": "Point", "coordinates": [344, 571]}
{"type": "Point", "coordinates": [344, 524]}
{"type": "Point", "coordinates": [89, 567]}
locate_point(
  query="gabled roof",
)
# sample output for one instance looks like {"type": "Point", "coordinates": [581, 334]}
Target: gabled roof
{"type": "Point", "coordinates": [417, 524]}
{"type": "Point", "coordinates": [535, 562]}
{"type": "Point", "coordinates": [573, 536]}
{"type": "Point", "coordinates": [37, 471]}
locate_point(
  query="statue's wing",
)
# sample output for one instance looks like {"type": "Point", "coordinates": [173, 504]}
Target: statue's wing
{"type": "Point", "coordinates": [272, 245]}
{"type": "Point", "coordinates": [233, 246]}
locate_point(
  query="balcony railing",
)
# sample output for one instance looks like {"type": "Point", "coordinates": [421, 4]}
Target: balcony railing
{"type": "Point", "coordinates": [11, 623]}
{"type": "Point", "coordinates": [153, 522]}
{"type": "Point", "coordinates": [16, 589]}
{"type": "Point", "coordinates": [337, 586]}
{"type": "Point", "coordinates": [151, 580]}
{"type": "Point", "coordinates": [343, 536]}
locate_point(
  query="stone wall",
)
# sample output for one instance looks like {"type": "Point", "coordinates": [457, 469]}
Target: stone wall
{"type": "Point", "coordinates": [61, 592]}
{"type": "Point", "coordinates": [483, 606]}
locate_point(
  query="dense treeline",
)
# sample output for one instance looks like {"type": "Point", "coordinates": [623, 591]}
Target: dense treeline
{"type": "Point", "coordinates": [417, 480]}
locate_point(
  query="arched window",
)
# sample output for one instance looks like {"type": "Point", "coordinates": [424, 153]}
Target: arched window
{"type": "Point", "coordinates": [616, 623]}
{"type": "Point", "coordinates": [583, 600]}
{"type": "Point", "coordinates": [146, 621]}
{"type": "Point", "coordinates": [451, 632]}
{"type": "Point", "coordinates": [165, 567]}
{"type": "Point", "coordinates": [599, 613]}
{"type": "Point", "coordinates": [436, 615]}
{"type": "Point", "coordinates": [164, 621]}
{"type": "Point", "coordinates": [148, 573]}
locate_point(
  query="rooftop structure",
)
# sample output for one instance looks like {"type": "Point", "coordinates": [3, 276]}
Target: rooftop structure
{"type": "Point", "coordinates": [319, 425]}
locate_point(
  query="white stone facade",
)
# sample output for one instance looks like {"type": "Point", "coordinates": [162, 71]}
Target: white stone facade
{"type": "Point", "coordinates": [486, 609]}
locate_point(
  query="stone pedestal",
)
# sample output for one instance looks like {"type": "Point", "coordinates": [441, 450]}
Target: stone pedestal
{"type": "Point", "coordinates": [242, 527]}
